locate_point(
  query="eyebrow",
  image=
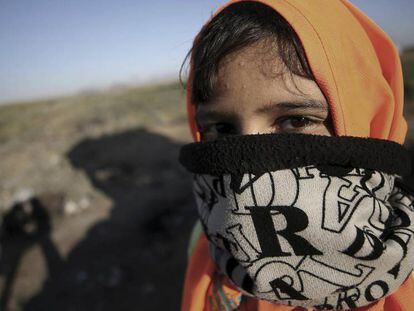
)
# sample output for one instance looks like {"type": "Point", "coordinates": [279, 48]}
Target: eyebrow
{"type": "Point", "coordinates": [293, 105]}
{"type": "Point", "coordinates": [308, 104]}
{"type": "Point", "coordinates": [213, 114]}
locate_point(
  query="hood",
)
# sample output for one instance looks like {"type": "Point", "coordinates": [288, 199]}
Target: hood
{"type": "Point", "coordinates": [355, 63]}
{"type": "Point", "coordinates": [358, 69]}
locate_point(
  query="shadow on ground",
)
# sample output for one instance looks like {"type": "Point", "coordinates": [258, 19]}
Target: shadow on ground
{"type": "Point", "coordinates": [135, 259]}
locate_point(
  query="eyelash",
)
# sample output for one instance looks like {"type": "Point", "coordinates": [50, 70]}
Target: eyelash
{"type": "Point", "coordinates": [296, 117]}
{"type": "Point", "coordinates": [311, 122]}
{"type": "Point", "coordinates": [282, 119]}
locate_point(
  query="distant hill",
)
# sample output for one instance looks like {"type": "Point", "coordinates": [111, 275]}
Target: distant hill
{"type": "Point", "coordinates": [114, 108]}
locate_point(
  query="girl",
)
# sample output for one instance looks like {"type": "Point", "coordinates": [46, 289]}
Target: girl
{"type": "Point", "coordinates": [295, 108]}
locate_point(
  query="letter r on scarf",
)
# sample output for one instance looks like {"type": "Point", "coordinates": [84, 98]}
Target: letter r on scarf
{"type": "Point", "coordinates": [267, 234]}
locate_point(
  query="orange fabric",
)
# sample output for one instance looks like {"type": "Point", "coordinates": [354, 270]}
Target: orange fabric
{"type": "Point", "coordinates": [357, 67]}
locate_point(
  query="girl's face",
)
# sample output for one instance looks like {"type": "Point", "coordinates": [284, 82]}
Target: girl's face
{"type": "Point", "coordinates": [256, 94]}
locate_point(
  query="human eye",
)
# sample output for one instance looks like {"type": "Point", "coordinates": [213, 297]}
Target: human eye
{"type": "Point", "coordinates": [297, 123]}
{"type": "Point", "coordinates": [216, 130]}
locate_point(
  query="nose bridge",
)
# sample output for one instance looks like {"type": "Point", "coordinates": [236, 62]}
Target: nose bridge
{"type": "Point", "coordinates": [254, 125]}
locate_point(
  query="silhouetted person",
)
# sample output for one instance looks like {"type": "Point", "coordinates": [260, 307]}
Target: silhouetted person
{"type": "Point", "coordinates": [24, 225]}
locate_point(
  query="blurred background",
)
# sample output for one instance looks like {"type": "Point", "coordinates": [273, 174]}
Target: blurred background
{"type": "Point", "coordinates": [96, 211]}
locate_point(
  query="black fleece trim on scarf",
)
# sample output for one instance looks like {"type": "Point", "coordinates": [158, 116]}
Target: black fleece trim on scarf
{"type": "Point", "coordinates": [260, 153]}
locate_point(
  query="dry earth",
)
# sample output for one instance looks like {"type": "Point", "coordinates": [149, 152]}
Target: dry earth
{"type": "Point", "coordinates": [109, 227]}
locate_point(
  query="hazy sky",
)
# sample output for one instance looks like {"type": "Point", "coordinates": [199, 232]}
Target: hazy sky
{"type": "Point", "coordinates": [50, 47]}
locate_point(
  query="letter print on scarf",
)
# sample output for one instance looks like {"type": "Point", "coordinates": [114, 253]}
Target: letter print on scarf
{"type": "Point", "coordinates": [306, 220]}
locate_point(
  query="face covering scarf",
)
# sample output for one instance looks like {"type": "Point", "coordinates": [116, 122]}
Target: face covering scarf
{"type": "Point", "coordinates": [306, 220]}
{"type": "Point", "coordinates": [357, 67]}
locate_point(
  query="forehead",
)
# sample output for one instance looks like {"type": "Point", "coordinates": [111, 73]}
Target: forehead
{"type": "Point", "coordinates": [255, 62]}
{"type": "Point", "coordinates": [256, 74]}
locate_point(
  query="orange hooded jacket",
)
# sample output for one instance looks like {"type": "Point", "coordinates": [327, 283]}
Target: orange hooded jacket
{"type": "Point", "coordinates": [358, 69]}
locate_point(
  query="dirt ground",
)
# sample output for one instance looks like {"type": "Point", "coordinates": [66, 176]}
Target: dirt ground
{"type": "Point", "coordinates": [108, 228]}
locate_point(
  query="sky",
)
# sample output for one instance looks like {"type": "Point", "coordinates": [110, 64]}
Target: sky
{"type": "Point", "coordinates": [58, 47]}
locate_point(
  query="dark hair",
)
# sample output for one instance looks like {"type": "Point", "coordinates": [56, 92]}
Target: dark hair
{"type": "Point", "coordinates": [240, 25]}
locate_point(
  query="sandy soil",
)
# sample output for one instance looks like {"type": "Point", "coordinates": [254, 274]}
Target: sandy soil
{"type": "Point", "coordinates": [109, 227]}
